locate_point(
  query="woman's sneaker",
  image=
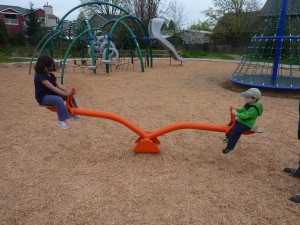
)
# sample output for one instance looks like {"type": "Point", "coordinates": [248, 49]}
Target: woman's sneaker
{"type": "Point", "coordinates": [63, 125]}
{"type": "Point", "coordinates": [292, 172]}
{"type": "Point", "coordinates": [76, 117]}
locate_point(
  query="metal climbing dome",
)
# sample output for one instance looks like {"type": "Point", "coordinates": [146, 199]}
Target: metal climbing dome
{"type": "Point", "coordinates": [273, 58]}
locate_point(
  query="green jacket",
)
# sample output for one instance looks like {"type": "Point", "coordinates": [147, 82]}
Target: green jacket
{"type": "Point", "coordinates": [248, 114]}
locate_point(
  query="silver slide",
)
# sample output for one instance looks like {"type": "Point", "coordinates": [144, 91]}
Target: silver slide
{"type": "Point", "coordinates": [154, 28]}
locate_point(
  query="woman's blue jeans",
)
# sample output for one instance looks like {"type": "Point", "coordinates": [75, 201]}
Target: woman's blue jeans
{"type": "Point", "coordinates": [59, 103]}
{"type": "Point", "coordinates": [235, 134]}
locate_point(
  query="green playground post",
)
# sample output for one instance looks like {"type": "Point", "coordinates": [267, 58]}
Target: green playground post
{"type": "Point", "coordinates": [91, 43]}
{"type": "Point", "coordinates": [69, 49]}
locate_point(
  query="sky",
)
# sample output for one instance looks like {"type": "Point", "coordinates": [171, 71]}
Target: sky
{"type": "Point", "coordinates": [192, 8]}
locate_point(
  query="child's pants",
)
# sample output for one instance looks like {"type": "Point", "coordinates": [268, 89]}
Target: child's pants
{"type": "Point", "coordinates": [59, 103]}
{"type": "Point", "coordinates": [235, 134]}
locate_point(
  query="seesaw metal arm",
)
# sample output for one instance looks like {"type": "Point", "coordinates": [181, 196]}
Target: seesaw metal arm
{"type": "Point", "coordinates": [147, 141]}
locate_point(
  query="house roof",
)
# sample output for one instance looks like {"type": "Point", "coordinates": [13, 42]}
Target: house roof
{"type": "Point", "coordinates": [51, 16]}
{"type": "Point", "coordinates": [107, 17]}
{"type": "Point", "coordinates": [271, 7]}
{"type": "Point", "coordinates": [15, 8]}
{"type": "Point", "coordinates": [194, 36]}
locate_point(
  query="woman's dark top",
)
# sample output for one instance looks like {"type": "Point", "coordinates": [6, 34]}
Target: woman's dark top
{"type": "Point", "coordinates": [41, 90]}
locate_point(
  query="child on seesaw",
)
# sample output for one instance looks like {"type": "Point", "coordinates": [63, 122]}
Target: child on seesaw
{"type": "Point", "coordinates": [246, 117]}
{"type": "Point", "coordinates": [48, 91]}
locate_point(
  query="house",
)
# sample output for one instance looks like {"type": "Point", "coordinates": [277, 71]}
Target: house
{"type": "Point", "coordinates": [14, 18]}
{"type": "Point", "coordinates": [194, 40]}
{"type": "Point", "coordinates": [50, 19]}
{"type": "Point", "coordinates": [192, 37]}
{"type": "Point", "coordinates": [99, 19]}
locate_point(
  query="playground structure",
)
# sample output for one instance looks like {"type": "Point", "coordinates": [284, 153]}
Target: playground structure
{"type": "Point", "coordinates": [98, 43]}
{"type": "Point", "coordinates": [273, 58]}
{"type": "Point", "coordinates": [88, 38]}
{"type": "Point", "coordinates": [154, 29]}
{"type": "Point", "coordinates": [148, 142]}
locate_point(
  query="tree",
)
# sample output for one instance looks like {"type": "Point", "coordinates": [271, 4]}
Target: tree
{"type": "Point", "coordinates": [79, 20]}
{"type": "Point", "coordinates": [232, 16]}
{"type": "Point", "coordinates": [205, 26]}
{"type": "Point", "coordinates": [3, 34]}
{"type": "Point", "coordinates": [235, 7]}
{"type": "Point", "coordinates": [172, 26]}
{"type": "Point", "coordinates": [143, 9]}
{"type": "Point", "coordinates": [33, 28]}
{"type": "Point", "coordinates": [175, 12]}
{"type": "Point", "coordinates": [91, 10]}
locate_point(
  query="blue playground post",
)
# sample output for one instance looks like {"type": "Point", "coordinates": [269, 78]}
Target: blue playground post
{"type": "Point", "coordinates": [280, 34]}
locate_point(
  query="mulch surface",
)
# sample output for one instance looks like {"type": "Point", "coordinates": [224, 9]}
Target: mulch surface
{"type": "Point", "coordinates": [89, 175]}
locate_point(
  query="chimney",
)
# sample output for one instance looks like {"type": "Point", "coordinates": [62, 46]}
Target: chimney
{"type": "Point", "coordinates": [48, 9]}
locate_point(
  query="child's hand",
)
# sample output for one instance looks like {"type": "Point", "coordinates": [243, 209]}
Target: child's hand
{"type": "Point", "coordinates": [70, 92]}
{"type": "Point", "coordinates": [234, 112]}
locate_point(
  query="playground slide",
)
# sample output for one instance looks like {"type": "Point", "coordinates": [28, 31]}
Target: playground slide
{"type": "Point", "coordinates": [154, 32]}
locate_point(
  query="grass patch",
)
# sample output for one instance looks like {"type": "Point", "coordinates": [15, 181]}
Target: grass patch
{"type": "Point", "coordinates": [209, 55]}
{"type": "Point", "coordinates": [8, 54]}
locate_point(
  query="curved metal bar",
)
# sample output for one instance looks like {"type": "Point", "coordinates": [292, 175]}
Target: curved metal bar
{"type": "Point", "coordinates": [91, 42]}
{"type": "Point", "coordinates": [196, 126]}
{"type": "Point", "coordinates": [144, 31]}
{"type": "Point", "coordinates": [139, 24]}
{"type": "Point", "coordinates": [49, 39]}
{"type": "Point", "coordinates": [124, 25]}
{"type": "Point", "coordinates": [133, 36]}
{"type": "Point", "coordinates": [110, 116]}
{"type": "Point", "coordinates": [144, 134]}
{"type": "Point", "coordinates": [36, 48]}
{"type": "Point", "coordinates": [188, 125]}
{"type": "Point", "coordinates": [90, 3]}
{"type": "Point", "coordinates": [147, 141]}
{"type": "Point", "coordinates": [69, 48]}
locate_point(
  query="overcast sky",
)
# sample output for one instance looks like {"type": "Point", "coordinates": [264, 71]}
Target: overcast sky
{"type": "Point", "coordinates": [193, 8]}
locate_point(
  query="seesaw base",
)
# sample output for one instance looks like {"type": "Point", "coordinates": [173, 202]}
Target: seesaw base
{"type": "Point", "coordinates": [146, 145]}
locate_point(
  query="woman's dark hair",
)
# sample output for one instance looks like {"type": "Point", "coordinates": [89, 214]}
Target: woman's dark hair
{"type": "Point", "coordinates": [44, 61]}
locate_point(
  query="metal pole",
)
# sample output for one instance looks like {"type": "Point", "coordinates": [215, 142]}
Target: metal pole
{"type": "Point", "coordinates": [279, 40]}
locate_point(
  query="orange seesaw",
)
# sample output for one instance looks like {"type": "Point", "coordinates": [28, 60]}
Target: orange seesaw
{"type": "Point", "coordinates": [148, 141]}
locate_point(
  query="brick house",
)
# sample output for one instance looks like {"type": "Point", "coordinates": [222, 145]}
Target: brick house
{"type": "Point", "coordinates": [14, 18]}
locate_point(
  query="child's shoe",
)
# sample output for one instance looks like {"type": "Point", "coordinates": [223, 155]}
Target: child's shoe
{"type": "Point", "coordinates": [225, 140]}
{"type": "Point", "coordinates": [226, 150]}
{"type": "Point", "coordinates": [296, 198]}
{"type": "Point", "coordinates": [76, 117]}
{"type": "Point", "coordinates": [63, 125]}
{"type": "Point", "coordinates": [292, 172]}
